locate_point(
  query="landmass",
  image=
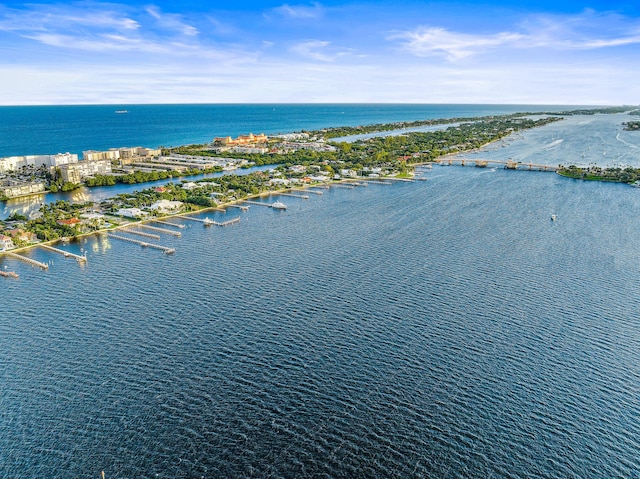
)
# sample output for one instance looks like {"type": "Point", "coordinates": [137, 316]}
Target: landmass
{"type": "Point", "coordinates": [300, 159]}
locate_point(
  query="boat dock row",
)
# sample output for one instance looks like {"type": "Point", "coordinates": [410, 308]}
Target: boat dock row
{"type": "Point", "coordinates": [67, 254]}
{"type": "Point", "coordinates": [164, 249]}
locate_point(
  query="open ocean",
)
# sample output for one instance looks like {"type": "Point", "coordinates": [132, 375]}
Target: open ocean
{"type": "Point", "coordinates": [444, 328]}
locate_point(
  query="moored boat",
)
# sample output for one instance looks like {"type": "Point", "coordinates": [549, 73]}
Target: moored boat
{"type": "Point", "coordinates": [279, 206]}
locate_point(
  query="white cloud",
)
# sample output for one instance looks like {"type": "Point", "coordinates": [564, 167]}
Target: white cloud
{"type": "Point", "coordinates": [576, 32]}
{"type": "Point", "coordinates": [300, 11]}
{"type": "Point", "coordinates": [438, 41]}
{"type": "Point", "coordinates": [318, 50]}
{"type": "Point", "coordinates": [172, 22]}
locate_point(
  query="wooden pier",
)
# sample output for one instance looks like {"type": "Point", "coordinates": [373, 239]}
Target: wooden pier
{"type": "Point", "coordinates": [228, 222]}
{"type": "Point", "coordinates": [67, 254]}
{"type": "Point", "coordinates": [304, 197]}
{"type": "Point", "coordinates": [168, 223]}
{"type": "Point", "coordinates": [309, 190]}
{"type": "Point", "coordinates": [379, 182]}
{"type": "Point", "coordinates": [240, 207]}
{"type": "Point", "coordinates": [32, 262]}
{"type": "Point", "coordinates": [140, 233]}
{"type": "Point", "coordinates": [343, 185]}
{"type": "Point", "coordinates": [206, 221]}
{"type": "Point", "coordinates": [159, 230]}
{"type": "Point", "coordinates": [392, 178]}
{"type": "Point", "coordinates": [164, 249]}
{"type": "Point", "coordinates": [259, 203]}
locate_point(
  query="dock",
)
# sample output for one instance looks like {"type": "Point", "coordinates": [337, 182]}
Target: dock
{"type": "Point", "coordinates": [159, 230]}
{"type": "Point", "coordinates": [67, 254]}
{"type": "Point", "coordinates": [240, 207]}
{"type": "Point", "coordinates": [206, 221]}
{"type": "Point", "coordinates": [9, 274]}
{"type": "Point", "coordinates": [164, 249]}
{"type": "Point", "coordinates": [168, 223]}
{"type": "Point", "coordinates": [257, 203]}
{"type": "Point", "coordinates": [309, 190]}
{"type": "Point", "coordinates": [343, 185]}
{"type": "Point", "coordinates": [392, 178]}
{"type": "Point", "coordinates": [32, 262]}
{"type": "Point", "coordinates": [141, 233]}
{"type": "Point", "coordinates": [304, 197]}
{"type": "Point", "coordinates": [228, 222]}
{"type": "Point", "coordinates": [379, 182]}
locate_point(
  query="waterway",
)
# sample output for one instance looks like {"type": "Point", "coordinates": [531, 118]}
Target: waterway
{"type": "Point", "coordinates": [440, 328]}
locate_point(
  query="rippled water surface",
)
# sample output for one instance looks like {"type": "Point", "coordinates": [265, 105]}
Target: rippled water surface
{"type": "Point", "coordinates": [442, 328]}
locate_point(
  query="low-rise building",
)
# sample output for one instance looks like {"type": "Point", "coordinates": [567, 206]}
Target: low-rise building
{"type": "Point", "coordinates": [14, 188]}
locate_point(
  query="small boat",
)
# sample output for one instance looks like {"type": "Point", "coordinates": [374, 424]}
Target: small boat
{"type": "Point", "coordinates": [208, 222]}
{"type": "Point", "coordinates": [553, 217]}
{"type": "Point", "coordinates": [120, 112]}
{"type": "Point", "coordinates": [279, 206]}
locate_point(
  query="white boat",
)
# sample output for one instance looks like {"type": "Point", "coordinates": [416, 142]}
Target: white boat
{"type": "Point", "coordinates": [553, 217]}
{"type": "Point", "coordinates": [120, 112]}
{"type": "Point", "coordinates": [279, 206]}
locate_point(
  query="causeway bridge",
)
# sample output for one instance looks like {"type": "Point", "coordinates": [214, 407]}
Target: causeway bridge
{"type": "Point", "coordinates": [508, 164]}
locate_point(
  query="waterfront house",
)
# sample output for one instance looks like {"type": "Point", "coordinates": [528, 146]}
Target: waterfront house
{"type": "Point", "coordinates": [23, 236]}
{"type": "Point", "coordinates": [131, 213]}
{"type": "Point", "coordinates": [6, 243]}
{"type": "Point", "coordinates": [166, 206]}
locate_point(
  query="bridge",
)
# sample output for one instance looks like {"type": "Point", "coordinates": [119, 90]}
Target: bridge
{"type": "Point", "coordinates": [508, 164]}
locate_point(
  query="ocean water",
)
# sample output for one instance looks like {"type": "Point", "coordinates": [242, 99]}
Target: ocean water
{"type": "Point", "coordinates": [35, 130]}
{"type": "Point", "coordinates": [440, 328]}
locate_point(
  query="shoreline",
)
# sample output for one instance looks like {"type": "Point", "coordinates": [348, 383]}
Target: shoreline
{"type": "Point", "coordinates": [168, 216]}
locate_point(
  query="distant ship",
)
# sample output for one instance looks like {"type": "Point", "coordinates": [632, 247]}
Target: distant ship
{"type": "Point", "coordinates": [279, 206]}
{"type": "Point", "coordinates": [122, 111]}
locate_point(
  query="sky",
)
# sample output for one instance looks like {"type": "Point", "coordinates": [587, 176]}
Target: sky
{"type": "Point", "coordinates": [565, 52]}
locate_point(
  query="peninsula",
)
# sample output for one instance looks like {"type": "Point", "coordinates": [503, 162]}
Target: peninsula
{"type": "Point", "coordinates": [299, 160]}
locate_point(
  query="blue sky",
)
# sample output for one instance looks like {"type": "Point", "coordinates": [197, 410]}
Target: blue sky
{"type": "Point", "coordinates": [542, 52]}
